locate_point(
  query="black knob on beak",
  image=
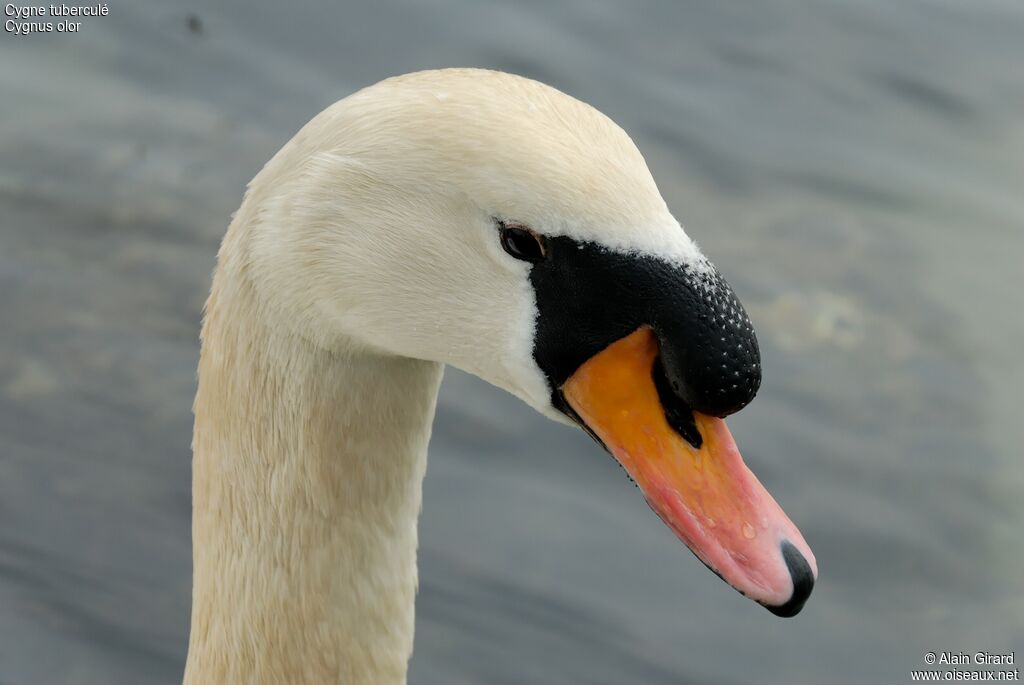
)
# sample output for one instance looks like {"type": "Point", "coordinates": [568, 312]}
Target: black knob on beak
{"type": "Point", "coordinates": [708, 347]}
{"type": "Point", "coordinates": [589, 296]}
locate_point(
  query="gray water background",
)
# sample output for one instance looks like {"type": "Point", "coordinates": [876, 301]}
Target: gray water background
{"type": "Point", "coordinates": [856, 169]}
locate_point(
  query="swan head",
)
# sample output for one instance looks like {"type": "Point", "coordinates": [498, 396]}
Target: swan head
{"type": "Point", "coordinates": [487, 221]}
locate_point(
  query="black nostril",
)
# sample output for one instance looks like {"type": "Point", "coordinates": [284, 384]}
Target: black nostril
{"type": "Point", "coordinates": [803, 581]}
{"type": "Point", "coordinates": [677, 412]}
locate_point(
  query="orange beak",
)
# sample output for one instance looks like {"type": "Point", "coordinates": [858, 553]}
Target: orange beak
{"type": "Point", "coordinates": [705, 494]}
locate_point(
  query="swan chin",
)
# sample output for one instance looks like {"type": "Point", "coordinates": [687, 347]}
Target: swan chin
{"type": "Point", "coordinates": [691, 474]}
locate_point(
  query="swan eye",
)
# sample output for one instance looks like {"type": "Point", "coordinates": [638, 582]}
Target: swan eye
{"type": "Point", "coordinates": [522, 243]}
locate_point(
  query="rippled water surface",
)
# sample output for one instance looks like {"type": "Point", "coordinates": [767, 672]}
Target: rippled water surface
{"type": "Point", "coordinates": [856, 169]}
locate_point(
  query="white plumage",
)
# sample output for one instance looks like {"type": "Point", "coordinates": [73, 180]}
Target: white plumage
{"type": "Point", "coordinates": [363, 258]}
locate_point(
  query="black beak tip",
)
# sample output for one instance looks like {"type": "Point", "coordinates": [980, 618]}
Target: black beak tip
{"type": "Point", "coordinates": [803, 582]}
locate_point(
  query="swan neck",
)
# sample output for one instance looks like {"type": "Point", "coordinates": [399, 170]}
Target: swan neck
{"type": "Point", "coordinates": [307, 475]}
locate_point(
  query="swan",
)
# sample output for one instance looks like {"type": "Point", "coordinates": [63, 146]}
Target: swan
{"type": "Point", "coordinates": [464, 217]}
